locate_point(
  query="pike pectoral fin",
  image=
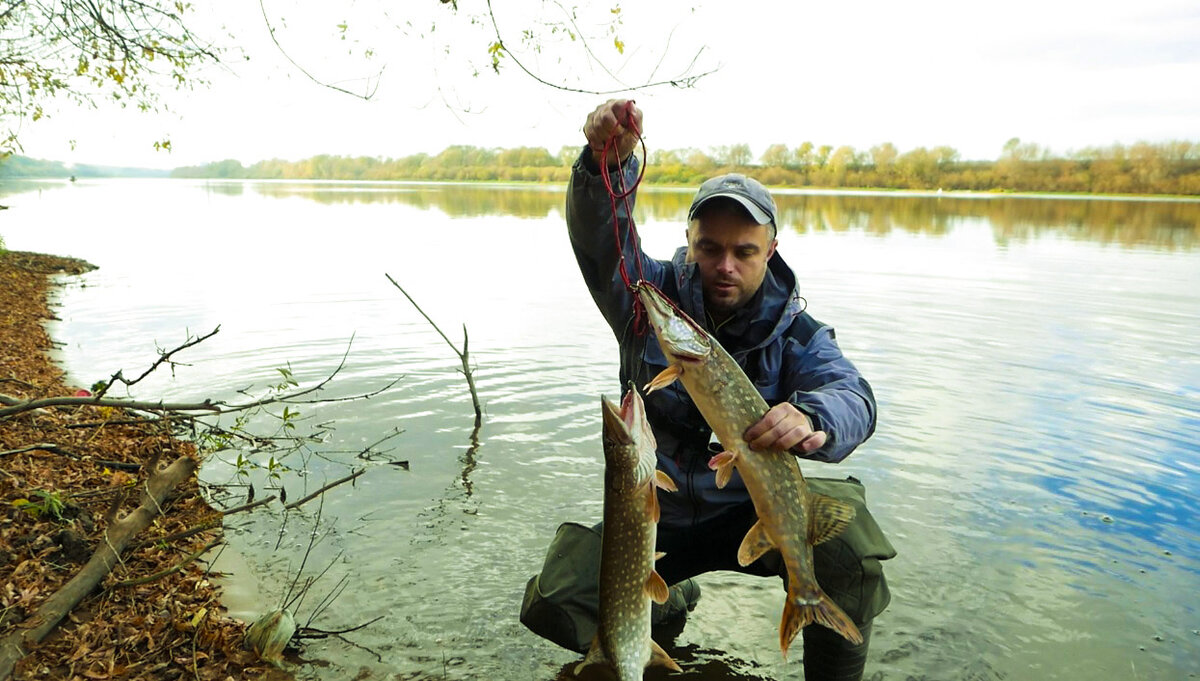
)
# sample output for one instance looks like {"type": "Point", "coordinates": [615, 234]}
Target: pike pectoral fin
{"type": "Point", "coordinates": [659, 554]}
{"type": "Point", "coordinates": [754, 545]}
{"type": "Point", "coordinates": [656, 588]}
{"type": "Point", "coordinates": [827, 518]}
{"type": "Point", "coordinates": [664, 379]}
{"type": "Point", "coordinates": [595, 655]}
{"type": "Point", "coordinates": [723, 464]}
{"type": "Point", "coordinates": [664, 481]}
{"type": "Point", "coordinates": [653, 511]}
{"type": "Point", "coordinates": [659, 657]}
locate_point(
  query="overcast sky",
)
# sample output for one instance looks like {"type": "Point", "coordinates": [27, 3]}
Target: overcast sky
{"type": "Point", "coordinates": [1062, 74]}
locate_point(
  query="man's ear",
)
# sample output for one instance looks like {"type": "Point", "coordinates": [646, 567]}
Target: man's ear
{"type": "Point", "coordinates": [771, 248]}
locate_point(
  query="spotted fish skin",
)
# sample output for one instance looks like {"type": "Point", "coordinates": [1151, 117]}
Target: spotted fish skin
{"type": "Point", "coordinates": [628, 580]}
{"type": "Point", "coordinates": [791, 519]}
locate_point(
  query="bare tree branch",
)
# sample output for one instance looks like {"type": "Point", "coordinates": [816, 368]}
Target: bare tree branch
{"type": "Point", "coordinates": [462, 355]}
{"type": "Point", "coordinates": [682, 81]}
{"type": "Point", "coordinates": [318, 81]}
{"type": "Point", "coordinates": [331, 485]}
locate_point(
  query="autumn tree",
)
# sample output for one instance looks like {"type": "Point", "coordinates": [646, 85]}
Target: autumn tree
{"type": "Point", "coordinates": [804, 155]}
{"type": "Point", "coordinates": [883, 156]}
{"type": "Point", "coordinates": [124, 52]}
{"type": "Point", "coordinates": [777, 156]}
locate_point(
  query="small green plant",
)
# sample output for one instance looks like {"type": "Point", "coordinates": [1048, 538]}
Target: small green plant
{"type": "Point", "coordinates": [49, 504]}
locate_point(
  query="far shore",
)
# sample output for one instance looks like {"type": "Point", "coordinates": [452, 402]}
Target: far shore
{"type": "Point", "coordinates": [785, 190]}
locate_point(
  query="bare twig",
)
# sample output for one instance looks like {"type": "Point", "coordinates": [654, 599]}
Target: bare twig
{"type": "Point", "coordinates": [171, 570]}
{"type": "Point", "coordinates": [682, 81]}
{"type": "Point", "coordinates": [317, 493]}
{"type": "Point", "coordinates": [271, 31]}
{"type": "Point", "coordinates": [313, 632]}
{"type": "Point", "coordinates": [247, 507]}
{"type": "Point", "coordinates": [41, 446]}
{"type": "Point", "coordinates": [163, 357]}
{"type": "Point", "coordinates": [462, 355]}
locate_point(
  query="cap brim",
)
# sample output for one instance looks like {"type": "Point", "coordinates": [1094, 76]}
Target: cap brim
{"type": "Point", "coordinates": [760, 216]}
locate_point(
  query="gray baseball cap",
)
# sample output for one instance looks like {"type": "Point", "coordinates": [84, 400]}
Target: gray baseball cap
{"type": "Point", "coordinates": [745, 190]}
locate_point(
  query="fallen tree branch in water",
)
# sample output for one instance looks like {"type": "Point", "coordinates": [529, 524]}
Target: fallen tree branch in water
{"type": "Point", "coordinates": [321, 491]}
{"type": "Point", "coordinates": [15, 646]}
{"type": "Point", "coordinates": [462, 355]}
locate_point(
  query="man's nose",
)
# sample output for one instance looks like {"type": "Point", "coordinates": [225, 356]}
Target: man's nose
{"type": "Point", "coordinates": [727, 262]}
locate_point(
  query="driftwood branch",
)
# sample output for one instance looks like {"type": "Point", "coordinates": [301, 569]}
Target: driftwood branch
{"type": "Point", "coordinates": [15, 646]}
{"type": "Point", "coordinates": [462, 354]}
{"type": "Point", "coordinates": [142, 405]}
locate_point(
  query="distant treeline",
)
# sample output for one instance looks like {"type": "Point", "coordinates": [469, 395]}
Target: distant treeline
{"type": "Point", "coordinates": [25, 167]}
{"type": "Point", "coordinates": [1142, 168]}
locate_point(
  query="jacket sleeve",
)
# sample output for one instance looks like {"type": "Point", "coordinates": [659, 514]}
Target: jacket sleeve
{"type": "Point", "coordinates": [828, 388]}
{"type": "Point", "coordinates": [589, 213]}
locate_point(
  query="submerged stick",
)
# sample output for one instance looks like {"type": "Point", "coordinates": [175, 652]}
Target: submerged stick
{"type": "Point", "coordinates": [462, 355]}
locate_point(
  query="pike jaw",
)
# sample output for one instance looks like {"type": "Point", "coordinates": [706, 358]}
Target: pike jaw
{"type": "Point", "coordinates": [676, 334]}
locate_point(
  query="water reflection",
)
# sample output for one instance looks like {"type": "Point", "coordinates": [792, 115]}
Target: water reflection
{"type": "Point", "coordinates": [1164, 224]}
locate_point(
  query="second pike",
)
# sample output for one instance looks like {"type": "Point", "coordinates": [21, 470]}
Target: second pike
{"type": "Point", "coordinates": [791, 519]}
{"type": "Point", "coordinates": [628, 580]}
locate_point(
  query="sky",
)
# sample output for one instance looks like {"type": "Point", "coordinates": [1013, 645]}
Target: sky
{"type": "Point", "coordinates": [1058, 73]}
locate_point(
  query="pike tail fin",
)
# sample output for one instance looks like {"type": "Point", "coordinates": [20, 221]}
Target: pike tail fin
{"type": "Point", "coordinates": [797, 615]}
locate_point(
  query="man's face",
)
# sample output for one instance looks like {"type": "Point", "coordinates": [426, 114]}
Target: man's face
{"type": "Point", "coordinates": [731, 251]}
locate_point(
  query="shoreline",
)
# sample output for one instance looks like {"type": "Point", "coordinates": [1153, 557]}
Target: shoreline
{"type": "Point", "coordinates": [66, 476]}
{"type": "Point", "coordinates": [784, 190]}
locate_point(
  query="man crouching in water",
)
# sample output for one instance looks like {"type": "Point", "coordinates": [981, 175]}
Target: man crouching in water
{"type": "Point", "coordinates": [730, 278]}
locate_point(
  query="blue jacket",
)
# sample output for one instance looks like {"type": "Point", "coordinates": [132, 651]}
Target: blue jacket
{"type": "Point", "coordinates": [786, 353]}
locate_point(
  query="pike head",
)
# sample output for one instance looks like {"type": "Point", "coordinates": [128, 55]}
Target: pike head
{"type": "Point", "coordinates": [682, 339]}
{"type": "Point", "coordinates": [628, 442]}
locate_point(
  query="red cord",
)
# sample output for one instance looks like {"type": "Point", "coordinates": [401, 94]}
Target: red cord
{"type": "Point", "coordinates": [624, 195]}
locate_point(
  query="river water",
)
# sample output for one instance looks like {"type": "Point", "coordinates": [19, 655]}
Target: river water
{"type": "Point", "coordinates": [1035, 360]}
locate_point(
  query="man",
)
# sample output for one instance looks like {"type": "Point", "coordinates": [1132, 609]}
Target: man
{"type": "Point", "coordinates": [729, 278]}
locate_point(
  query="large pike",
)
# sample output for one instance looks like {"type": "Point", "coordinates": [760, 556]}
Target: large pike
{"type": "Point", "coordinates": [628, 580]}
{"type": "Point", "coordinates": [790, 518]}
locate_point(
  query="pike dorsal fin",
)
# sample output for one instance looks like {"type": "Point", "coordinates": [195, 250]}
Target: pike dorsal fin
{"type": "Point", "coordinates": [827, 518]}
{"type": "Point", "coordinates": [664, 379]}
{"type": "Point", "coordinates": [754, 544]}
{"type": "Point", "coordinates": [656, 588]}
{"type": "Point", "coordinates": [664, 481]}
{"type": "Point", "coordinates": [595, 655]}
{"type": "Point", "coordinates": [659, 657]}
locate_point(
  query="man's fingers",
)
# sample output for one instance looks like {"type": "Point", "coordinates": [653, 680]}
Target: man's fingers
{"type": "Point", "coordinates": [813, 441]}
{"type": "Point", "coordinates": [784, 427]}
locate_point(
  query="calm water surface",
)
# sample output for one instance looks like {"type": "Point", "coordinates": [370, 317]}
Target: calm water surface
{"type": "Point", "coordinates": [1035, 360]}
